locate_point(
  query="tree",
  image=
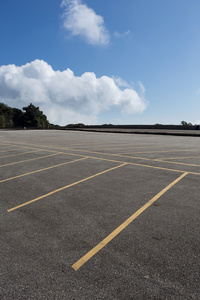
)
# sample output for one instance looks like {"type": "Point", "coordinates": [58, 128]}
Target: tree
{"type": "Point", "coordinates": [17, 117]}
{"type": "Point", "coordinates": [33, 117]}
{"type": "Point", "coordinates": [14, 117]}
{"type": "Point", "coordinates": [6, 114]}
{"type": "Point", "coordinates": [184, 123]}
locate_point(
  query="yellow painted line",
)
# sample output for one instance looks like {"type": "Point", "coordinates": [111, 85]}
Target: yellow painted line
{"type": "Point", "coordinates": [126, 156]}
{"type": "Point", "coordinates": [115, 146]}
{"type": "Point", "coordinates": [122, 155]}
{"type": "Point", "coordinates": [177, 163]}
{"type": "Point", "coordinates": [26, 160]}
{"type": "Point", "coordinates": [34, 148]}
{"type": "Point", "coordinates": [4, 144]}
{"type": "Point", "coordinates": [162, 151]}
{"type": "Point", "coordinates": [6, 150]}
{"type": "Point", "coordinates": [142, 165]}
{"type": "Point", "coordinates": [83, 144]}
{"type": "Point", "coordinates": [154, 159]}
{"type": "Point", "coordinates": [58, 152]}
{"type": "Point", "coordinates": [102, 153]}
{"type": "Point", "coordinates": [19, 154]}
{"type": "Point", "coordinates": [41, 170]}
{"type": "Point", "coordinates": [119, 229]}
{"type": "Point", "coordinates": [91, 144]}
{"type": "Point", "coordinates": [87, 151]}
{"type": "Point", "coordinates": [166, 158]}
{"type": "Point", "coordinates": [97, 152]}
{"type": "Point", "coordinates": [146, 166]}
{"type": "Point", "coordinates": [138, 147]}
{"type": "Point", "coordinates": [118, 155]}
{"type": "Point", "coordinates": [65, 187]}
{"type": "Point", "coordinates": [71, 147]}
{"type": "Point", "coordinates": [13, 145]}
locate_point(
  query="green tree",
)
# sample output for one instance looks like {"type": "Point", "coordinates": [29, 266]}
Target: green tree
{"type": "Point", "coordinates": [184, 123]}
{"type": "Point", "coordinates": [2, 121]}
{"type": "Point", "coordinates": [33, 117]}
{"type": "Point", "coordinates": [6, 114]}
{"type": "Point", "coordinates": [17, 117]}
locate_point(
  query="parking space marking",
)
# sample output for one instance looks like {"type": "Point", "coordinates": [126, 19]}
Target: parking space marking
{"type": "Point", "coordinates": [96, 144]}
{"type": "Point", "coordinates": [6, 150]}
{"type": "Point", "coordinates": [113, 154]}
{"type": "Point", "coordinates": [137, 147]}
{"type": "Point", "coordinates": [58, 152]}
{"type": "Point", "coordinates": [40, 170]}
{"type": "Point", "coordinates": [19, 154]}
{"type": "Point", "coordinates": [152, 159]}
{"type": "Point", "coordinates": [41, 149]}
{"type": "Point", "coordinates": [166, 158]}
{"type": "Point", "coordinates": [65, 187]}
{"type": "Point", "coordinates": [115, 146]}
{"type": "Point", "coordinates": [177, 163]}
{"type": "Point", "coordinates": [185, 150]}
{"type": "Point", "coordinates": [4, 144]}
{"type": "Point", "coordinates": [119, 229]}
{"type": "Point", "coordinates": [30, 159]}
{"type": "Point", "coordinates": [141, 165]}
{"type": "Point", "coordinates": [118, 155]}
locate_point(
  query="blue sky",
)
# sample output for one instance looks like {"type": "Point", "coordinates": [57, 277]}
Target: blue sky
{"type": "Point", "coordinates": [116, 61]}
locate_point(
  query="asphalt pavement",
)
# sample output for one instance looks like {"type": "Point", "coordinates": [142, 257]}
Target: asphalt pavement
{"type": "Point", "coordinates": [88, 215]}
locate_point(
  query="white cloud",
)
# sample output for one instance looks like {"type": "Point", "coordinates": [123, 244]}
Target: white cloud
{"type": "Point", "coordinates": [78, 19]}
{"type": "Point", "coordinates": [119, 35]}
{"type": "Point", "coordinates": [64, 97]}
{"type": "Point", "coordinates": [120, 82]}
{"type": "Point", "coordinates": [141, 90]}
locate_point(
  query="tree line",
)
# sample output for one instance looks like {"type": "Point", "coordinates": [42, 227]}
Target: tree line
{"type": "Point", "coordinates": [29, 116]}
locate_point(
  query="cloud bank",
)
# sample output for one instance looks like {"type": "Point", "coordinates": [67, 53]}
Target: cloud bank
{"type": "Point", "coordinates": [80, 20]}
{"type": "Point", "coordinates": [64, 97]}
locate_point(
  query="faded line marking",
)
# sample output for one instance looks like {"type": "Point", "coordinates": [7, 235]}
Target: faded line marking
{"type": "Point", "coordinates": [111, 154]}
{"type": "Point", "coordinates": [165, 158]}
{"type": "Point", "coordinates": [114, 146]}
{"type": "Point", "coordinates": [185, 150]}
{"type": "Point", "coordinates": [26, 160]}
{"type": "Point", "coordinates": [41, 170]}
{"type": "Point", "coordinates": [19, 154]}
{"type": "Point", "coordinates": [6, 150]}
{"type": "Point", "coordinates": [65, 187]}
{"type": "Point", "coordinates": [177, 163]}
{"type": "Point", "coordinates": [141, 147]}
{"type": "Point", "coordinates": [112, 235]}
{"type": "Point", "coordinates": [118, 155]}
{"type": "Point", "coordinates": [58, 152]}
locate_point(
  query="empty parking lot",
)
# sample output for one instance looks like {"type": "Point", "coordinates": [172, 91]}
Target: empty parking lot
{"type": "Point", "coordinates": [99, 215]}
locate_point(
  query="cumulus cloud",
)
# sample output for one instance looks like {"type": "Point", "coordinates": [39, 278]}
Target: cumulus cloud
{"type": "Point", "coordinates": [78, 19]}
{"type": "Point", "coordinates": [121, 82]}
{"type": "Point", "coordinates": [64, 97]}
